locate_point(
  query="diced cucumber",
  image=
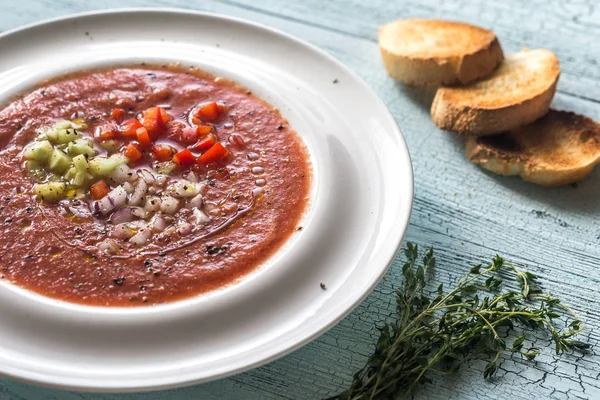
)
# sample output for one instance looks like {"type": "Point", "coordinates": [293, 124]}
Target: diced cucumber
{"type": "Point", "coordinates": [50, 192]}
{"type": "Point", "coordinates": [80, 162]}
{"type": "Point", "coordinates": [70, 174]}
{"type": "Point", "coordinates": [62, 132]}
{"type": "Point", "coordinates": [166, 168]}
{"type": "Point", "coordinates": [59, 161]}
{"type": "Point", "coordinates": [101, 166]}
{"type": "Point", "coordinates": [35, 170]}
{"type": "Point", "coordinates": [110, 145]}
{"type": "Point", "coordinates": [82, 179]}
{"type": "Point", "coordinates": [66, 135]}
{"type": "Point", "coordinates": [81, 146]}
{"type": "Point", "coordinates": [38, 151]}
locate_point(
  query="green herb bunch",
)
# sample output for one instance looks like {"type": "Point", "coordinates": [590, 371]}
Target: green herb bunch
{"type": "Point", "coordinates": [438, 332]}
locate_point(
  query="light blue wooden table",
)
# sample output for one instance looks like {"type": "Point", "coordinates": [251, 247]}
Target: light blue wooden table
{"type": "Point", "coordinates": [466, 214]}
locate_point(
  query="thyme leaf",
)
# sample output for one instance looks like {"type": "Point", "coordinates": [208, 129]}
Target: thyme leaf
{"type": "Point", "coordinates": [439, 331]}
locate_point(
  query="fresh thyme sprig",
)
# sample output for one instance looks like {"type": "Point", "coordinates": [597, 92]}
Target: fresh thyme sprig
{"type": "Point", "coordinates": [440, 331]}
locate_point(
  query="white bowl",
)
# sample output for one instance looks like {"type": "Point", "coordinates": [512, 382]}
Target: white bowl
{"type": "Point", "coordinates": [361, 202]}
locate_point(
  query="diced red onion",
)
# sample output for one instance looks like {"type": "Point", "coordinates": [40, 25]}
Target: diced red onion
{"type": "Point", "coordinates": [199, 217]}
{"type": "Point", "coordinates": [185, 229]}
{"type": "Point", "coordinates": [138, 212]}
{"type": "Point", "coordinates": [161, 180]}
{"type": "Point", "coordinates": [122, 215]}
{"type": "Point", "coordinates": [128, 187]}
{"type": "Point", "coordinates": [152, 204]}
{"type": "Point", "coordinates": [184, 188]}
{"type": "Point", "coordinates": [158, 223]}
{"type": "Point", "coordinates": [169, 205]}
{"type": "Point", "coordinates": [139, 192]}
{"type": "Point", "coordinates": [190, 176]}
{"type": "Point", "coordinates": [114, 199]}
{"type": "Point", "coordinates": [196, 201]}
{"type": "Point", "coordinates": [109, 246]}
{"type": "Point", "coordinates": [141, 237]}
{"type": "Point", "coordinates": [122, 231]}
{"type": "Point", "coordinates": [80, 211]}
{"type": "Point", "coordinates": [122, 174]}
{"type": "Point", "coordinates": [147, 176]}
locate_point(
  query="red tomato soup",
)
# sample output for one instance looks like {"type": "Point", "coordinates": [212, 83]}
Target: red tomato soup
{"type": "Point", "coordinates": [144, 185]}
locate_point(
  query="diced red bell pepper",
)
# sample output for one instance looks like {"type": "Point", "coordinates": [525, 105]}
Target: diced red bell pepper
{"type": "Point", "coordinates": [163, 152]}
{"type": "Point", "coordinates": [204, 144]}
{"type": "Point", "coordinates": [184, 158]}
{"type": "Point", "coordinates": [143, 138]}
{"type": "Point", "coordinates": [155, 121]}
{"type": "Point", "coordinates": [133, 152]}
{"type": "Point", "coordinates": [214, 154]}
{"type": "Point", "coordinates": [99, 190]}
{"type": "Point", "coordinates": [203, 129]}
{"type": "Point", "coordinates": [210, 111]}
{"type": "Point", "coordinates": [118, 115]}
{"type": "Point", "coordinates": [107, 132]}
{"type": "Point", "coordinates": [128, 129]}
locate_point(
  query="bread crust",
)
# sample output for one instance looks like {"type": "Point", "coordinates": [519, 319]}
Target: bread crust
{"type": "Point", "coordinates": [429, 63]}
{"type": "Point", "coordinates": [453, 110]}
{"type": "Point", "coordinates": [561, 148]}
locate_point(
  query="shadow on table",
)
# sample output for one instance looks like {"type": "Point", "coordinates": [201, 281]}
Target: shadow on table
{"type": "Point", "coordinates": [420, 95]}
{"type": "Point", "coordinates": [581, 197]}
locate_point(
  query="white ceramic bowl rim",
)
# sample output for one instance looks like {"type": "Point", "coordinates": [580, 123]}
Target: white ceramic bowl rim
{"type": "Point", "coordinates": [387, 235]}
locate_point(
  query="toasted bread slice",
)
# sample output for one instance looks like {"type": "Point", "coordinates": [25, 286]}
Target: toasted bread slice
{"type": "Point", "coordinates": [516, 94]}
{"type": "Point", "coordinates": [435, 52]}
{"type": "Point", "coordinates": [558, 149]}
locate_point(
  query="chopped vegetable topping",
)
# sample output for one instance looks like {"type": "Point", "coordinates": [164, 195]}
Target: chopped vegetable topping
{"type": "Point", "coordinates": [143, 138]}
{"type": "Point", "coordinates": [163, 152]}
{"type": "Point", "coordinates": [203, 129]}
{"type": "Point", "coordinates": [184, 158]}
{"type": "Point", "coordinates": [210, 111]}
{"type": "Point", "coordinates": [155, 121]}
{"type": "Point", "coordinates": [118, 115]}
{"type": "Point", "coordinates": [128, 129]}
{"type": "Point", "coordinates": [214, 154]}
{"type": "Point", "coordinates": [204, 144]}
{"type": "Point", "coordinates": [99, 190]}
{"type": "Point", "coordinates": [133, 152]}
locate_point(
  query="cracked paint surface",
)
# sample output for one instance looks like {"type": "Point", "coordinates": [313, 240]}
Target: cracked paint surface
{"type": "Point", "coordinates": [466, 214]}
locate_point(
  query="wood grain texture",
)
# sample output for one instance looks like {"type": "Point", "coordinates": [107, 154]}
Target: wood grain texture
{"type": "Point", "coordinates": [466, 214]}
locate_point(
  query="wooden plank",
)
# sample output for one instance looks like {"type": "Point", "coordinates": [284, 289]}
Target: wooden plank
{"type": "Point", "coordinates": [466, 214]}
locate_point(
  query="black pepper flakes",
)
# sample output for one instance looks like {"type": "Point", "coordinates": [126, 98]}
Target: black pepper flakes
{"type": "Point", "coordinates": [280, 127]}
{"type": "Point", "coordinates": [335, 81]}
{"type": "Point", "coordinates": [119, 281]}
{"type": "Point", "coordinates": [323, 286]}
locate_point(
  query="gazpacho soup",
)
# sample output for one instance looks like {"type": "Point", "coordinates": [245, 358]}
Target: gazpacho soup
{"type": "Point", "coordinates": [144, 185]}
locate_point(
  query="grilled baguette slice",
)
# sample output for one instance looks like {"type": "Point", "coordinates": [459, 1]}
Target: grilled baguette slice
{"type": "Point", "coordinates": [516, 94]}
{"type": "Point", "coordinates": [435, 52]}
{"type": "Point", "coordinates": [560, 148]}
